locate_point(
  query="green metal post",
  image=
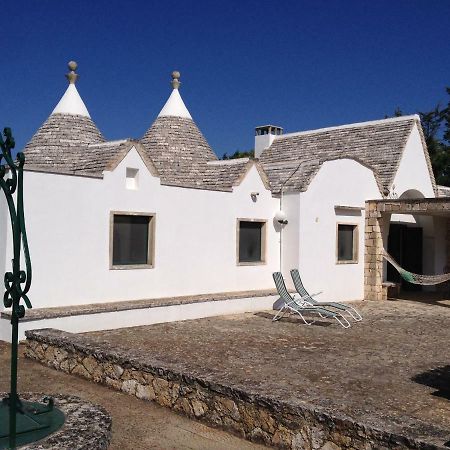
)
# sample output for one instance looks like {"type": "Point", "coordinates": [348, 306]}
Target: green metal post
{"type": "Point", "coordinates": [13, 389]}
{"type": "Point", "coordinates": [37, 419]}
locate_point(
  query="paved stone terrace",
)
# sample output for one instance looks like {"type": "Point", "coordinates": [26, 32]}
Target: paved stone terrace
{"type": "Point", "coordinates": [389, 374]}
{"type": "Point", "coordinates": [390, 371]}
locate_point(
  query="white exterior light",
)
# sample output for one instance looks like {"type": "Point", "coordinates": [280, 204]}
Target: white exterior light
{"type": "Point", "coordinates": [280, 217]}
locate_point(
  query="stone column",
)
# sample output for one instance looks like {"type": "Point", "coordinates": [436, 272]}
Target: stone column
{"type": "Point", "coordinates": [448, 245]}
{"type": "Point", "coordinates": [373, 261]}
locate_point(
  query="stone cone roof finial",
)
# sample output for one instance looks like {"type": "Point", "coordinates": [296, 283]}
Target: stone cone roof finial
{"type": "Point", "coordinates": [72, 76]}
{"type": "Point", "coordinates": [175, 106]}
{"type": "Point", "coordinates": [71, 102]}
{"type": "Point", "coordinates": [176, 79]}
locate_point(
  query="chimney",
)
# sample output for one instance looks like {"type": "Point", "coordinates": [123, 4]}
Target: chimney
{"type": "Point", "coordinates": [264, 136]}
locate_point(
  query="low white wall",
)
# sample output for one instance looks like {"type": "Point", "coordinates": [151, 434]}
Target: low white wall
{"type": "Point", "coordinates": [68, 223]}
{"type": "Point", "coordinates": [139, 317]}
{"type": "Point", "coordinates": [342, 182]}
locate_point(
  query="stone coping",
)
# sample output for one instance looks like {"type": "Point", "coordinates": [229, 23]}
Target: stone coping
{"type": "Point", "coordinates": [292, 423]}
{"type": "Point", "coordinates": [411, 200]}
{"type": "Point", "coordinates": [97, 308]}
{"type": "Point", "coordinates": [87, 426]}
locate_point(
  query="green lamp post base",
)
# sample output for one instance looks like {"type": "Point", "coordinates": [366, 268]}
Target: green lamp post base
{"type": "Point", "coordinates": [34, 421]}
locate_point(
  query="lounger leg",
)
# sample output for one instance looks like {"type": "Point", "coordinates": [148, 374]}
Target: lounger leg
{"type": "Point", "coordinates": [356, 316]}
{"type": "Point", "coordinates": [279, 314]}
{"type": "Point", "coordinates": [304, 320]}
{"type": "Point", "coordinates": [294, 311]}
{"type": "Point", "coordinates": [344, 322]}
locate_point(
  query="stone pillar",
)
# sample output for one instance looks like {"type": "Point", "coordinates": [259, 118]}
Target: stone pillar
{"type": "Point", "coordinates": [445, 287]}
{"type": "Point", "coordinates": [448, 245]}
{"type": "Point", "coordinates": [373, 246]}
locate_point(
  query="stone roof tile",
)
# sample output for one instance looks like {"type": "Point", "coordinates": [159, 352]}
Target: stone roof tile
{"type": "Point", "coordinates": [378, 145]}
{"type": "Point", "coordinates": [179, 151]}
{"type": "Point", "coordinates": [175, 150]}
{"type": "Point", "coordinates": [61, 141]}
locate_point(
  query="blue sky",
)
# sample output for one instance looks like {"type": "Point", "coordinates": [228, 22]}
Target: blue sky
{"type": "Point", "coordinates": [297, 64]}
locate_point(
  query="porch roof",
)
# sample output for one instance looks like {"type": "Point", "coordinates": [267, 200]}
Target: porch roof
{"type": "Point", "coordinates": [422, 206]}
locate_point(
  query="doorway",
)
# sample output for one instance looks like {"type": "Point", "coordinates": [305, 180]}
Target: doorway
{"type": "Point", "coordinates": [405, 245]}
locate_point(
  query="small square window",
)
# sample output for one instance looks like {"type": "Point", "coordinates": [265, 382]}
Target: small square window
{"type": "Point", "coordinates": [132, 240]}
{"type": "Point", "coordinates": [132, 178]}
{"type": "Point", "coordinates": [347, 243]}
{"type": "Point", "coordinates": [251, 241]}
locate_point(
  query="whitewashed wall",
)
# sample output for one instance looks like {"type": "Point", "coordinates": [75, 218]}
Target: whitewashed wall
{"type": "Point", "coordinates": [440, 229]}
{"type": "Point", "coordinates": [290, 235]}
{"type": "Point", "coordinates": [412, 173]}
{"type": "Point", "coordinates": [413, 181]}
{"type": "Point", "coordinates": [342, 182]}
{"type": "Point", "coordinates": [3, 239]}
{"type": "Point", "coordinates": [68, 222]}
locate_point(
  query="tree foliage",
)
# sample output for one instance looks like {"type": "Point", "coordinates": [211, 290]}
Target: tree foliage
{"type": "Point", "coordinates": [240, 154]}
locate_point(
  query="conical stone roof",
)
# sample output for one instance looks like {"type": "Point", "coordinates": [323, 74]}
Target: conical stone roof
{"type": "Point", "coordinates": [178, 150]}
{"type": "Point", "coordinates": [58, 140]}
{"type": "Point", "coordinates": [63, 137]}
{"type": "Point", "coordinates": [176, 146]}
{"type": "Point", "coordinates": [173, 148]}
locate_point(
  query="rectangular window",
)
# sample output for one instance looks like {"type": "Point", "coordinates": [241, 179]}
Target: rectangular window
{"type": "Point", "coordinates": [347, 243]}
{"type": "Point", "coordinates": [251, 241]}
{"type": "Point", "coordinates": [132, 240]}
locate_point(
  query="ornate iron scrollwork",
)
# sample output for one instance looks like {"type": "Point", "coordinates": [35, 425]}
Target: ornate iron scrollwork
{"type": "Point", "coordinates": [17, 281]}
{"type": "Point", "coordinates": [11, 182]}
{"type": "Point", "coordinates": [41, 418]}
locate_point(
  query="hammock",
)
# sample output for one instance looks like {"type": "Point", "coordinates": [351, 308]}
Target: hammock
{"type": "Point", "coordinates": [414, 277]}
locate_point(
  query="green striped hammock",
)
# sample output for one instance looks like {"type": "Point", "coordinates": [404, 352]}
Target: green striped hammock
{"type": "Point", "coordinates": [415, 278]}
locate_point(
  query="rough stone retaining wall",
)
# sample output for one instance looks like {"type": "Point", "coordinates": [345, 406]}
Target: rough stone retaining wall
{"type": "Point", "coordinates": [448, 243]}
{"type": "Point", "coordinates": [253, 417]}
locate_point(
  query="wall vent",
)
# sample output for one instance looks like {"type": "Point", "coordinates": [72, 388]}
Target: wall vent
{"type": "Point", "coordinates": [132, 179]}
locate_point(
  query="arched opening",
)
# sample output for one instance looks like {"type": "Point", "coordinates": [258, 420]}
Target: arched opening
{"type": "Point", "coordinates": [411, 194]}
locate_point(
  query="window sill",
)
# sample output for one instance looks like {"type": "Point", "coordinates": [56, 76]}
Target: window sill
{"type": "Point", "coordinates": [251, 263]}
{"type": "Point", "coordinates": [131, 267]}
{"type": "Point", "coordinates": [347, 262]}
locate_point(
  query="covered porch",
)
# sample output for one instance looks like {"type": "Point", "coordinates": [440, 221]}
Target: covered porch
{"type": "Point", "coordinates": [416, 232]}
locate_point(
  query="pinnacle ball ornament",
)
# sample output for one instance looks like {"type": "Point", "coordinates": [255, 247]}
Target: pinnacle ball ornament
{"type": "Point", "coordinates": [72, 65]}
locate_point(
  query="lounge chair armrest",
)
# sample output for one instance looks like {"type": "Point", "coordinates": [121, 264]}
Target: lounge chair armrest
{"type": "Point", "coordinates": [306, 303]}
{"type": "Point", "coordinates": [303, 297]}
{"type": "Point", "coordinates": [309, 296]}
{"type": "Point", "coordinates": [292, 302]}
